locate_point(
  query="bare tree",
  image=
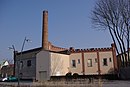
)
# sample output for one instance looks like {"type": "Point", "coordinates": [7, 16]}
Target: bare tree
{"type": "Point", "coordinates": [114, 16]}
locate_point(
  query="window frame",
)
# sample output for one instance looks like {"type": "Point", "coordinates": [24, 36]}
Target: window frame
{"type": "Point", "coordinates": [73, 63]}
{"type": "Point", "coordinates": [78, 61]}
{"type": "Point", "coordinates": [21, 64]}
{"type": "Point", "coordinates": [96, 60]}
{"type": "Point", "coordinates": [89, 64]}
{"type": "Point", "coordinates": [29, 63]}
{"type": "Point", "coordinates": [105, 62]}
{"type": "Point", "coordinates": [110, 60]}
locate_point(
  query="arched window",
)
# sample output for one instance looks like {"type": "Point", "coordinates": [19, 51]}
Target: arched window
{"type": "Point", "coordinates": [21, 64]}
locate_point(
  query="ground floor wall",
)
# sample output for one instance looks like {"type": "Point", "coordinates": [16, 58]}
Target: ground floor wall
{"type": "Point", "coordinates": [51, 64]}
{"type": "Point", "coordinates": [92, 63]}
{"type": "Point", "coordinates": [59, 64]}
{"type": "Point", "coordinates": [43, 66]}
{"type": "Point", "coordinates": [26, 67]}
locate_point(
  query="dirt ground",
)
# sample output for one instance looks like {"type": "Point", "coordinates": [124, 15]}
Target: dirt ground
{"type": "Point", "coordinates": [97, 83]}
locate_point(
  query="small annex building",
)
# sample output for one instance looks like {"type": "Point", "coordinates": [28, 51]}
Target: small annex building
{"type": "Point", "coordinates": [51, 64]}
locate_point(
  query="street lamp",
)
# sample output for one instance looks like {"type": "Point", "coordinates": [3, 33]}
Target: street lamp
{"type": "Point", "coordinates": [25, 40]}
{"type": "Point", "coordinates": [14, 54]}
{"type": "Point", "coordinates": [18, 60]}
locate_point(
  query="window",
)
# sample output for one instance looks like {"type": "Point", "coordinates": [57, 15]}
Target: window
{"type": "Point", "coordinates": [21, 64]}
{"type": "Point", "coordinates": [78, 61]}
{"type": "Point", "coordinates": [96, 60]}
{"type": "Point", "coordinates": [73, 63]}
{"type": "Point", "coordinates": [89, 63]}
{"type": "Point", "coordinates": [29, 63]}
{"type": "Point", "coordinates": [105, 62]}
{"type": "Point", "coordinates": [109, 59]}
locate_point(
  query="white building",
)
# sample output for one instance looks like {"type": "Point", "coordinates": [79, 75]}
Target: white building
{"type": "Point", "coordinates": [51, 64]}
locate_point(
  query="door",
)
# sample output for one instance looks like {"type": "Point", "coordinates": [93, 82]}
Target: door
{"type": "Point", "coordinates": [43, 75]}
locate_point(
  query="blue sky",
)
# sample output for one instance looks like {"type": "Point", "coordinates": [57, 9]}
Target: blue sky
{"type": "Point", "coordinates": [69, 24]}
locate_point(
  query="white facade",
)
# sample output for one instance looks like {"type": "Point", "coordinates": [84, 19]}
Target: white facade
{"type": "Point", "coordinates": [51, 64]}
{"type": "Point", "coordinates": [59, 64]}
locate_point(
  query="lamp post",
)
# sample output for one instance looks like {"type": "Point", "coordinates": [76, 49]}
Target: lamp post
{"type": "Point", "coordinates": [18, 59]}
{"type": "Point", "coordinates": [14, 53]}
{"type": "Point", "coordinates": [25, 40]}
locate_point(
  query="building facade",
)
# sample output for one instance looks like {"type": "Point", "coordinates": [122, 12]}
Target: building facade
{"type": "Point", "coordinates": [51, 64]}
{"type": "Point", "coordinates": [94, 61]}
{"type": "Point", "coordinates": [49, 60]}
{"type": "Point", "coordinates": [25, 64]}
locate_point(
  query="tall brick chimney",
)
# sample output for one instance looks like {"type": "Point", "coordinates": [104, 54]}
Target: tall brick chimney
{"type": "Point", "coordinates": [45, 31]}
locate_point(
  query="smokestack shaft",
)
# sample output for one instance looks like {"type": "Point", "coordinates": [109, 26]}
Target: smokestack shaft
{"type": "Point", "coordinates": [45, 31]}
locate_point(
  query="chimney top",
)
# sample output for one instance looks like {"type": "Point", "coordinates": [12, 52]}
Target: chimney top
{"type": "Point", "coordinates": [45, 11]}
